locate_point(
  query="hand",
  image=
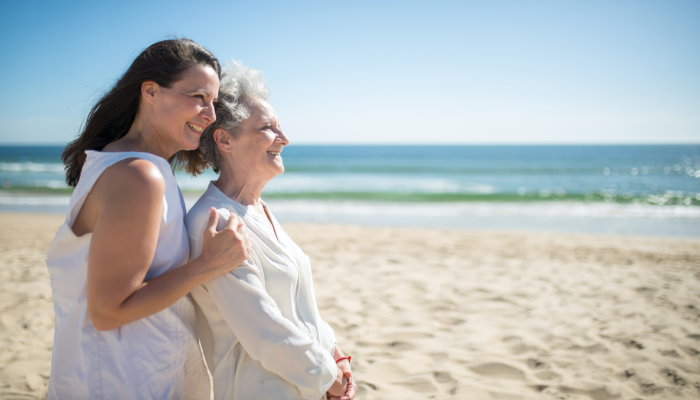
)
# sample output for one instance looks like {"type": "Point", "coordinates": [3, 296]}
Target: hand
{"type": "Point", "coordinates": [351, 387]}
{"type": "Point", "coordinates": [225, 250]}
{"type": "Point", "coordinates": [339, 386]}
{"type": "Point", "coordinates": [350, 391]}
{"type": "Point", "coordinates": [344, 365]}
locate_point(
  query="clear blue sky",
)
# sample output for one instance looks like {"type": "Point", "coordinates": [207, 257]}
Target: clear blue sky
{"type": "Point", "coordinates": [393, 72]}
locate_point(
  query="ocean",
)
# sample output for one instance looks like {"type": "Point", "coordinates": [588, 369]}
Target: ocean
{"type": "Point", "coordinates": [617, 189]}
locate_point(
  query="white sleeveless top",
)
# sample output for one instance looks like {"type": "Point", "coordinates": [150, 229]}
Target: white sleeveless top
{"type": "Point", "coordinates": [157, 357]}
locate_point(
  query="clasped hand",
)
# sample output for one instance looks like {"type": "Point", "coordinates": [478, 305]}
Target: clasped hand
{"type": "Point", "coordinates": [344, 387]}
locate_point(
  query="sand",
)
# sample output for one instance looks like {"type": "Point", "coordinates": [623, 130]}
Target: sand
{"type": "Point", "coordinates": [447, 314]}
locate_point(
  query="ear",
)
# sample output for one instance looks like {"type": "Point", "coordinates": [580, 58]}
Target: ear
{"type": "Point", "coordinates": [148, 91]}
{"type": "Point", "coordinates": [222, 139]}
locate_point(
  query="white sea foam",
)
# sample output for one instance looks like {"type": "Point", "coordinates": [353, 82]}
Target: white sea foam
{"type": "Point", "coordinates": [48, 183]}
{"type": "Point", "coordinates": [480, 209]}
{"type": "Point", "coordinates": [477, 209]}
{"type": "Point", "coordinates": [31, 167]}
{"type": "Point", "coordinates": [19, 199]}
{"type": "Point", "coordinates": [352, 183]}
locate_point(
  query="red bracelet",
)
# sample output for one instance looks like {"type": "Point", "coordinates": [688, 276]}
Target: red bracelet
{"type": "Point", "coordinates": [343, 358]}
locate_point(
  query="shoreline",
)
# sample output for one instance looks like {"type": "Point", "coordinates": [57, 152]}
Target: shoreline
{"type": "Point", "coordinates": [58, 214]}
{"type": "Point", "coordinates": [562, 217]}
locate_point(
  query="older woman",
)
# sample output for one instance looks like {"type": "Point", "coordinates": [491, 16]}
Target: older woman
{"type": "Point", "coordinates": [264, 336]}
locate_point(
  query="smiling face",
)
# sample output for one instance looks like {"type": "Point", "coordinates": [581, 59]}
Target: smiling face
{"type": "Point", "coordinates": [181, 112]}
{"type": "Point", "coordinates": [257, 146]}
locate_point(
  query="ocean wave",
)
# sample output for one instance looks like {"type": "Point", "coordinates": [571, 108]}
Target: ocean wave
{"type": "Point", "coordinates": [20, 199]}
{"type": "Point", "coordinates": [373, 184]}
{"type": "Point", "coordinates": [483, 209]}
{"type": "Point", "coordinates": [294, 184]}
{"type": "Point", "coordinates": [575, 209]}
{"type": "Point", "coordinates": [31, 167]}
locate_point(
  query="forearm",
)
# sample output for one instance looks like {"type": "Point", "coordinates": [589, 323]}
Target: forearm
{"type": "Point", "coordinates": [152, 296]}
{"type": "Point", "coordinates": [337, 353]}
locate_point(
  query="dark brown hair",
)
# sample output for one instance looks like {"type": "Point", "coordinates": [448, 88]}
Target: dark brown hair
{"type": "Point", "coordinates": [111, 118]}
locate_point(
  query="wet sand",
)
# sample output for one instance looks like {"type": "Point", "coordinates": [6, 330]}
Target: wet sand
{"type": "Point", "coordinates": [446, 314]}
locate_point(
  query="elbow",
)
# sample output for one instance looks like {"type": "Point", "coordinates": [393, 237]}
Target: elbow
{"type": "Point", "coordinates": [103, 321]}
{"type": "Point", "coordinates": [103, 327]}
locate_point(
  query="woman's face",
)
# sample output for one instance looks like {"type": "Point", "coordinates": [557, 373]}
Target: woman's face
{"type": "Point", "coordinates": [257, 147]}
{"type": "Point", "coordinates": [183, 111]}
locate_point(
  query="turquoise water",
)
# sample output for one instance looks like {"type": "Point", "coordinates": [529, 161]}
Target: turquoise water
{"type": "Point", "coordinates": [651, 190]}
{"type": "Point", "coordinates": [652, 174]}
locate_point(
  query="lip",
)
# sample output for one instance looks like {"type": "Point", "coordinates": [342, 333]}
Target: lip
{"type": "Point", "coordinates": [190, 125]}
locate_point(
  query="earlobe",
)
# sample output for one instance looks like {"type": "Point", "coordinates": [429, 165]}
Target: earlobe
{"type": "Point", "coordinates": [148, 91]}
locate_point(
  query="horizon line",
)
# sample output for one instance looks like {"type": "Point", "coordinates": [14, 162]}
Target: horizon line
{"type": "Point", "coordinates": [433, 144]}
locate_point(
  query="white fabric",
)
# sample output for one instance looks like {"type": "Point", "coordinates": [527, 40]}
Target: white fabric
{"type": "Point", "coordinates": [260, 329]}
{"type": "Point", "coordinates": [157, 357]}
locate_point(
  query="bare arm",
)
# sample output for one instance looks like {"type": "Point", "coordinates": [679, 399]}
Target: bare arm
{"type": "Point", "coordinates": [124, 210]}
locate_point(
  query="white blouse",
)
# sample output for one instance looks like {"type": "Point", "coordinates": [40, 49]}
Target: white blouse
{"type": "Point", "coordinates": [157, 357]}
{"type": "Point", "coordinates": [260, 329]}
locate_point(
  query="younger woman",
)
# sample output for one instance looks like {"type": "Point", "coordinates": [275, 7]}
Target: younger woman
{"type": "Point", "coordinates": [119, 264]}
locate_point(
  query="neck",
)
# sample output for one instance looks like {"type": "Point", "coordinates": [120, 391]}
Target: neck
{"type": "Point", "coordinates": [240, 184]}
{"type": "Point", "coordinates": [142, 137]}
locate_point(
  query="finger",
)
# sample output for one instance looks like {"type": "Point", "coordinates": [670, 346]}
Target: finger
{"type": "Point", "coordinates": [232, 221]}
{"type": "Point", "coordinates": [213, 220]}
{"type": "Point", "coordinates": [350, 392]}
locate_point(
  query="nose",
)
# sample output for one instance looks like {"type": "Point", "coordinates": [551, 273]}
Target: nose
{"type": "Point", "coordinates": [281, 138]}
{"type": "Point", "coordinates": [208, 113]}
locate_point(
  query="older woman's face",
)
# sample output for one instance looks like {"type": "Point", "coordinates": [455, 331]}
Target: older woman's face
{"type": "Point", "coordinates": [258, 145]}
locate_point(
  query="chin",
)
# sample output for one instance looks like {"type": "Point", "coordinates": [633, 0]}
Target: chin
{"type": "Point", "coordinates": [189, 146]}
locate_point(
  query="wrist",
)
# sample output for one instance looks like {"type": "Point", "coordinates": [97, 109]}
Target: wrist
{"type": "Point", "coordinates": [343, 358]}
{"type": "Point", "coordinates": [199, 271]}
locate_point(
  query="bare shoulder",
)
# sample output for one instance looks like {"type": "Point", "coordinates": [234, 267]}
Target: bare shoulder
{"type": "Point", "coordinates": [131, 178]}
{"type": "Point", "coordinates": [131, 188]}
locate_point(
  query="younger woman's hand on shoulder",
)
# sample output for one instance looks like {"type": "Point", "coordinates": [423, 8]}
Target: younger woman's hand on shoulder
{"type": "Point", "coordinates": [225, 250]}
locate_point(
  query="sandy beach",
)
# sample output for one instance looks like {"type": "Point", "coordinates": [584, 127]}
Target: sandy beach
{"type": "Point", "coordinates": [446, 314]}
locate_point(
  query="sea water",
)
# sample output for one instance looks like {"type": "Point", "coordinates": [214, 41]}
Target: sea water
{"type": "Point", "coordinates": [646, 189]}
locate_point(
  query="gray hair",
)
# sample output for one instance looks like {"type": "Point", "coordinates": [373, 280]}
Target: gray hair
{"type": "Point", "coordinates": [238, 84]}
